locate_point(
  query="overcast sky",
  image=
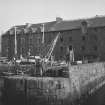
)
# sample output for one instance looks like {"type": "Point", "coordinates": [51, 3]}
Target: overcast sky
{"type": "Point", "coordinates": [18, 12]}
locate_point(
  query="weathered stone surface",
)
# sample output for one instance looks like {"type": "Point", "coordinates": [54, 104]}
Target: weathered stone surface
{"type": "Point", "coordinates": [83, 81]}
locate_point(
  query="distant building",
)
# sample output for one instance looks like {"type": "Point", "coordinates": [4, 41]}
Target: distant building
{"type": "Point", "coordinates": [85, 36]}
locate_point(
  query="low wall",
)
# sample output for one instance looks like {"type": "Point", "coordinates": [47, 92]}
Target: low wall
{"type": "Point", "coordinates": [85, 77]}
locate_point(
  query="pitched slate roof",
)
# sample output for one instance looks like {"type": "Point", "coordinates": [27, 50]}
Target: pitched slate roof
{"type": "Point", "coordinates": [74, 24]}
{"type": "Point", "coordinates": [97, 21]}
{"type": "Point", "coordinates": [47, 25]}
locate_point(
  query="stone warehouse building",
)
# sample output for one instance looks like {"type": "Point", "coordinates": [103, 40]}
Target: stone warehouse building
{"type": "Point", "coordinates": [85, 36]}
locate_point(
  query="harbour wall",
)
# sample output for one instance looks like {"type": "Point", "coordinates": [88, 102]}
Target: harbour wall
{"type": "Point", "coordinates": [83, 82]}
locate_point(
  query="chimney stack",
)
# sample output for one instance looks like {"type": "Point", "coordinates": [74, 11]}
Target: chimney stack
{"type": "Point", "coordinates": [59, 19]}
{"type": "Point", "coordinates": [28, 24]}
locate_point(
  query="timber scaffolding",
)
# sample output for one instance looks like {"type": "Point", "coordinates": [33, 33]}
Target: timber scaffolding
{"type": "Point", "coordinates": [82, 81]}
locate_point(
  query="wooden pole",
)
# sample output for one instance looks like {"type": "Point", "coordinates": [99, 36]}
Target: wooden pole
{"type": "Point", "coordinates": [15, 43]}
{"type": "Point", "coordinates": [43, 35]}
